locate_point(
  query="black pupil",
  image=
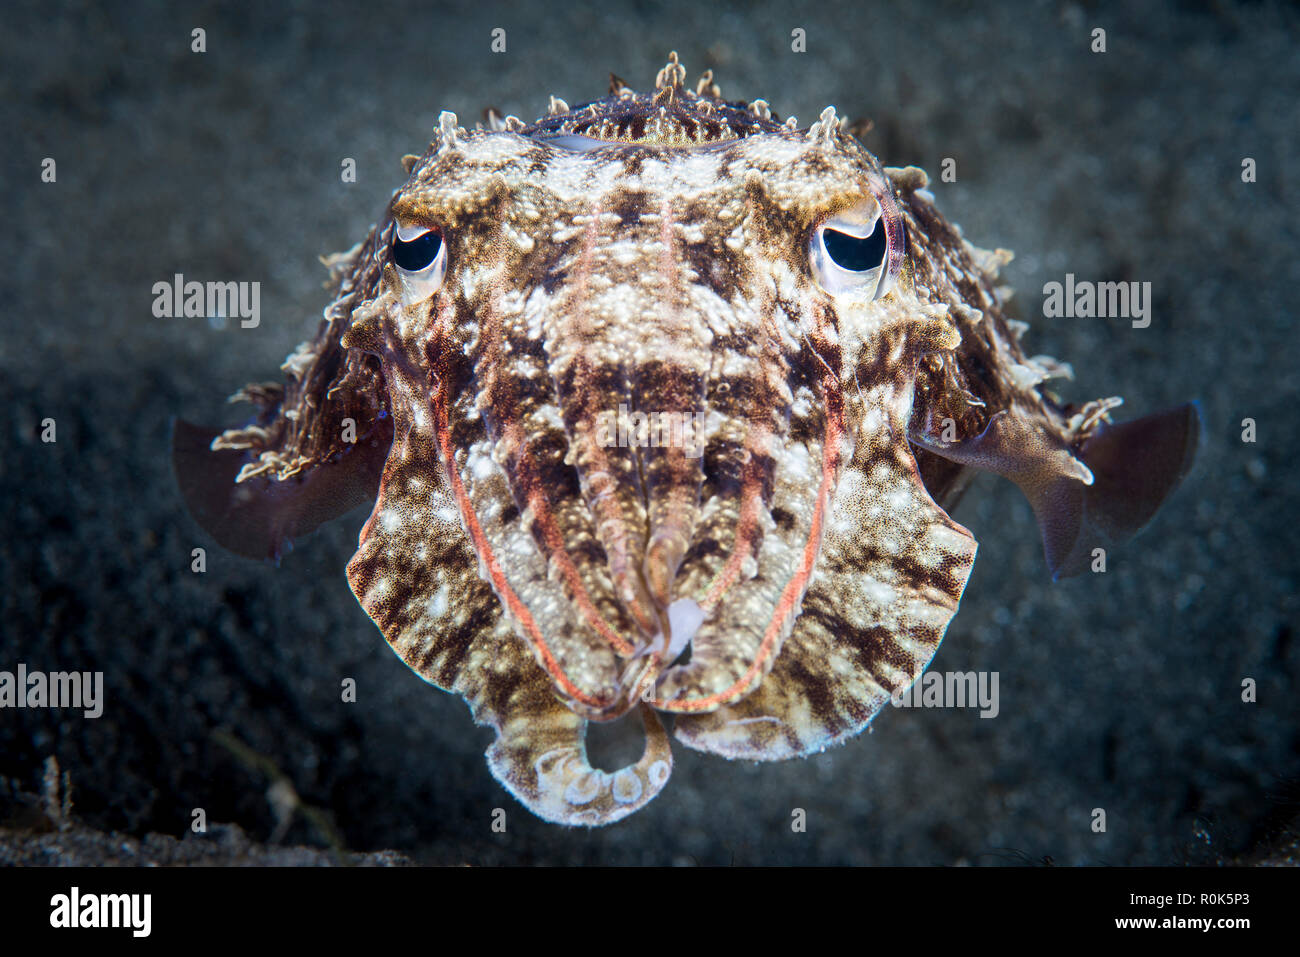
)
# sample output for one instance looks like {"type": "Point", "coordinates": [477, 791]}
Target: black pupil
{"type": "Point", "coordinates": [418, 253]}
{"type": "Point", "coordinates": [852, 253]}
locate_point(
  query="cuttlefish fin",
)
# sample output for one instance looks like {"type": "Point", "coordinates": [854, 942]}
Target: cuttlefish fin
{"type": "Point", "coordinates": [1097, 495]}
{"type": "Point", "coordinates": [1136, 465]}
{"type": "Point", "coordinates": [260, 517]}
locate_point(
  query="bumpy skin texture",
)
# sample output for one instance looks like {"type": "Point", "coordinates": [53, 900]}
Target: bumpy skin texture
{"type": "Point", "coordinates": [652, 251]}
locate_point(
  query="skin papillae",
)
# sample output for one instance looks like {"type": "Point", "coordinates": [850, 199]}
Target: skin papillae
{"type": "Point", "coordinates": [769, 590]}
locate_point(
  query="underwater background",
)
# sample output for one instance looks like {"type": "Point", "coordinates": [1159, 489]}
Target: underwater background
{"type": "Point", "coordinates": [1120, 691]}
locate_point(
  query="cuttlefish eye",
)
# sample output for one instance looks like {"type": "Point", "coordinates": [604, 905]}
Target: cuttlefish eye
{"type": "Point", "coordinates": [851, 251]}
{"type": "Point", "coordinates": [421, 257]}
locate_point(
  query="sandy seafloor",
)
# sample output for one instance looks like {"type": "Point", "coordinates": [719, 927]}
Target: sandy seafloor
{"type": "Point", "coordinates": [1119, 691]}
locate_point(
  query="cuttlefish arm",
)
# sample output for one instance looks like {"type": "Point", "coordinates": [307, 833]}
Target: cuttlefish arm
{"type": "Point", "coordinates": [887, 582]}
{"type": "Point", "coordinates": [415, 574]}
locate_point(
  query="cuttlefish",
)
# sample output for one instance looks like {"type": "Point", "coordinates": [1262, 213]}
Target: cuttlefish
{"type": "Point", "coordinates": [659, 403]}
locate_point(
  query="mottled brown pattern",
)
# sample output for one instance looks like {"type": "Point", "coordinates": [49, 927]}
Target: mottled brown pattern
{"type": "Point", "coordinates": [655, 253]}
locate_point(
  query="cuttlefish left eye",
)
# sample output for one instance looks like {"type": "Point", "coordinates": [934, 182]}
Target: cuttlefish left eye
{"type": "Point", "coordinates": [420, 256]}
{"type": "Point", "coordinates": [859, 248]}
